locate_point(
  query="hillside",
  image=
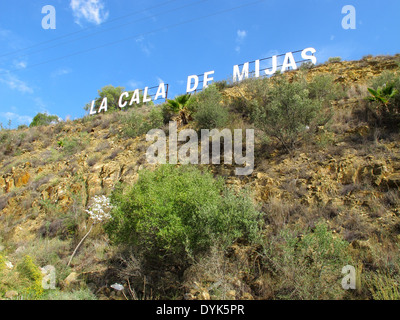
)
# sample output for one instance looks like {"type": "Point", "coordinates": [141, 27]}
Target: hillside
{"type": "Point", "coordinates": [331, 200]}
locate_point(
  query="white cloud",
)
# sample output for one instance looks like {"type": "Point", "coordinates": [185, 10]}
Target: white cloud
{"type": "Point", "coordinates": [132, 84]}
{"type": "Point", "coordinates": [92, 11]}
{"type": "Point", "coordinates": [20, 64]}
{"type": "Point", "coordinates": [14, 83]}
{"type": "Point", "coordinates": [160, 80]}
{"type": "Point", "coordinates": [40, 104]}
{"type": "Point", "coordinates": [5, 34]}
{"type": "Point", "coordinates": [240, 36]}
{"type": "Point", "coordinates": [144, 46]}
{"type": "Point", "coordinates": [60, 72]}
{"type": "Point", "coordinates": [15, 118]}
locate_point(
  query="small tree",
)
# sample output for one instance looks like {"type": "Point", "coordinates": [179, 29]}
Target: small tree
{"type": "Point", "coordinates": [113, 94]}
{"type": "Point", "coordinates": [286, 111]}
{"type": "Point", "coordinates": [43, 119]}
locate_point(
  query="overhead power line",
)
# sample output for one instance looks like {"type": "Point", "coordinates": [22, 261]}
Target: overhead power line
{"type": "Point", "coordinates": [112, 28]}
{"type": "Point", "coordinates": [88, 28]}
{"type": "Point", "coordinates": [138, 35]}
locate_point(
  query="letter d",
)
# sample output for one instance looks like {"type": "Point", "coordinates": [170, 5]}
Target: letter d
{"type": "Point", "coordinates": [206, 310]}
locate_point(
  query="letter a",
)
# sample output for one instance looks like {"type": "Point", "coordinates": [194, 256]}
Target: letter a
{"type": "Point", "coordinates": [49, 21]}
{"type": "Point", "coordinates": [349, 21]}
{"type": "Point", "coordinates": [349, 281]}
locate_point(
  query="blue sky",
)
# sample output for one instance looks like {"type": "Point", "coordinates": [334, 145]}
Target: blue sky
{"type": "Point", "coordinates": [62, 69]}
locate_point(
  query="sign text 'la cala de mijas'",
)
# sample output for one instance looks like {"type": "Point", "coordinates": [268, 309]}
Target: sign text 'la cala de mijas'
{"type": "Point", "coordinates": [240, 72]}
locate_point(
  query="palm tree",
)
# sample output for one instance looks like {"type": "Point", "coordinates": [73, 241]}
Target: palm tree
{"type": "Point", "coordinates": [383, 94]}
{"type": "Point", "coordinates": [385, 110]}
{"type": "Point", "coordinates": [179, 106]}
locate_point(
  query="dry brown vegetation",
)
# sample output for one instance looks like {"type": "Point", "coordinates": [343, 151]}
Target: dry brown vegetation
{"type": "Point", "coordinates": [331, 200]}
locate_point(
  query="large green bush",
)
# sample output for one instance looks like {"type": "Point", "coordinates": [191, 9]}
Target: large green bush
{"type": "Point", "coordinates": [180, 211]}
{"type": "Point", "coordinates": [286, 111]}
{"type": "Point", "coordinates": [208, 113]}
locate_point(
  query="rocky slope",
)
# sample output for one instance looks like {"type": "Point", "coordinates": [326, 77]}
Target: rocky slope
{"type": "Point", "coordinates": [350, 178]}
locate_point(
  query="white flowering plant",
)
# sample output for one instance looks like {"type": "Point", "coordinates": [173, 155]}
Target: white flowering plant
{"type": "Point", "coordinates": [100, 209]}
{"type": "Point", "coordinates": [99, 212]}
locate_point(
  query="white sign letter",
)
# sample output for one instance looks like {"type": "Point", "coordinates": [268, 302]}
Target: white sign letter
{"type": "Point", "coordinates": [274, 66]}
{"type": "Point", "coordinates": [237, 75]}
{"type": "Point", "coordinates": [289, 62]}
{"type": "Point", "coordinates": [206, 79]}
{"type": "Point", "coordinates": [160, 91]}
{"type": "Point", "coordinates": [92, 112]}
{"type": "Point", "coordinates": [135, 97]}
{"type": "Point", "coordinates": [257, 68]}
{"type": "Point", "coordinates": [311, 57]}
{"type": "Point", "coordinates": [123, 105]}
{"type": "Point", "coordinates": [145, 95]}
{"type": "Point", "coordinates": [189, 82]}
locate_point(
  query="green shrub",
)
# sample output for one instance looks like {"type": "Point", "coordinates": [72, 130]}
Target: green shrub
{"type": "Point", "coordinates": [308, 65]}
{"type": "Point", "coordinates": [257, 90]}
{"type": "Point", "coordinates": [286, 111]}
{"type": "Point", "coordinates": [2, 262]}
{"type": "Point", "coordinates": [307, 266]}
{"type": "Point", "coordinates": [323, 87]}
{"type": "Point", "coordinates": [334, 59]}
{"type": "Point", "coordinates": [136, 124]}
{"type": "Point", "coordinates": [222, 85]}
{"type": "Point", "coordinates": [22, 126]}
{"type": "Point", "coordinates": [167, 113]}
{"type": "Point", "coordinates": [43, 119]}
{"type": "Point", "coordinates": [155, 118]}
{"type": "Point", "coordinates": [208, 113]}
{"type": "Point", "coordinates": [180, 211]}
{"type": "Point", "coordinates": [30, 272]}
{"type": "Point", "coordinates": [382, 286]}
{"type": "Point", "coordinates": [72, 145]}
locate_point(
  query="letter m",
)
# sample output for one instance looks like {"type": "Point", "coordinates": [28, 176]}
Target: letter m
{"type": "Point", "coordinates": [239, 76]}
